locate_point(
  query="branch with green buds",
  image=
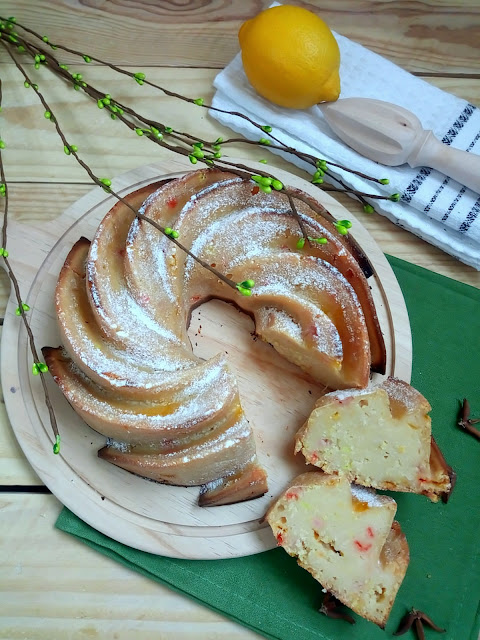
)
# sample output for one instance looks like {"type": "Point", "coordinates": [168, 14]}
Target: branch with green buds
{"type": "Point", "coordinates": [38, 367]}
{"type": "Point", "coordinates": [105, 184]}
{"type": "Point", "coordinates": [44, 57]}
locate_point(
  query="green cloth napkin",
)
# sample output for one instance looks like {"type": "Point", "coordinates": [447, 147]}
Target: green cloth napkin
{"type": "Point", "coordinates": [270, 594]}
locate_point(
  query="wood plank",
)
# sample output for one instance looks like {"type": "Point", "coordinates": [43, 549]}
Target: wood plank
{"type": "Point", "coordinates": [425, 36]}
{"type": "Point", "coordinates": [58, 588]}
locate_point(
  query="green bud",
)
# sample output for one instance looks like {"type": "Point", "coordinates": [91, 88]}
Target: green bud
{"type": "Point", "coordinates": [192, 159]}
{"type": "Point", "coordinates": [106, 182]}
{"type": "Point", "coordinates": [265, 180]}
{"type": "Point", "coordinates": [341, 230]}
{"type": "Point", "coordinates": [198, 153]}
{"type": "Point", "coordinates": [345, 223]}
{"type": "Point", "coordinates": [158, 135]}
{"type": "Point", "coordinates": [256, 178]}
{"type": "Point", "coordinates": [66, 150]}
{"type": "Point", "coordinates": [139, 131]}
{"type": "Point", "coordinates": [319, 173]}
{"type": "Point", "coordinates": [113, 116]}
{"type": "Point", "coordinates": [301, 243]}
{"type": "Point", "coordinates": [267, 128]}
{"type": "Point", "coordinates": [168, 130]}
{"type": "Point", "coordinates": [21, 48]}
{"type": "Point", "coordinates": [368, 208]}
{"type": "Point", "coordinates": [74, 147]}
{"type": "Point", "coordinates": [244, 291]}
{"type": "Point", "coordinates": [106, 101]}
{"type": "Point", "coordinates": [320, 240]}
{"type": "Point", "coordinates": [76, 87]}
{"type": "Point", "coordinates": [384, 181]}
{"type": "Point", "coordinates": [47, 115]}
{"type": "Point", "coordinates": [263, 161]}
{"type": "Point", "coordinates": [45, 39]}
{"type": "Point", "coordinates": [12, 19]}
{"type": "Point", "coordinates": [35, 369]}
{"type": "Point", "coordinates": [138, 81]}
{"type": "Point", "coordinates": [26, 84]}
{"type": "Point", "coordinates": [2, 144]}
{"type": "Point", "coordinates": [219, 141]}
{"type": "Point", "coordinates": [199, 102]}
{"type": "Point", "coordinates": [139, 76]}
{"type": "Point", "coordinates": [37, 65]}
{"type": "Point", "coordinates": [247, 284]}
{"type": "Point", "coordinates": [395, 197]}
{"type": "Point", "coordinates": [2, 251]}
{"type": "Point", "coordinates": [25, 307]}
{"type": "Point", "coordinates": [277, 185]}
{"type": "Point", "coordinates": [217, 155]}
{"type": "Point", "coordinates": [87, 58]}
{"type": "Point", "coordinates": [64, 67]}
{"type": "Point", "coordinates": [100, 104]}
{"type": "Point", "coordinates": [37, 58]}
{"type": "Point", "coordinates": [317, 181]}
{"type": "Point", "coordinates": [42, 367]}
{"type": "Point", "coordinates": [266, 189]}
{"type": "Point", "coordinates": [198, 144]}
{"type": "Point", "coordinates": [42, 57]}
{"type": "Point", "coordinates": [321, 164]}
{"type": "Point", "coordinates": [174, 233]}
{"type": "Point", "coordinates": [5, 253]}
{"type": "Point", "coordinates": [35, 86]}
{"type": "Point", "coordinates": [56, 446]}
{"type": "Point", "coordinates": [264, 141]}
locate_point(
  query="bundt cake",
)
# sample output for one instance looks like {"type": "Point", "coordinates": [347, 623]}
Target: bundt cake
{"type": "Point", "coordinates": [124, 302]}
{"type": "Point", "coordinates": [345, 536]}
{"type": "Point", "coordinates": [378, 437]}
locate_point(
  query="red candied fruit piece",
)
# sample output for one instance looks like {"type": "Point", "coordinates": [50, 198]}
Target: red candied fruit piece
{"type": "Point", "coordinates": [291, 495]}
{"type": "Point", "coordinates": [172, 203]}
{"type": "Point", "coordinates": [279, 538]}
{"type": "Point", "coordinates": [314, 457]}
{"type": "Point", "coordinates": [255, 190]}
{"type": "Point", "coordinates": [370, 533]}
{"type": "Point", "coordinates": [362, 547]}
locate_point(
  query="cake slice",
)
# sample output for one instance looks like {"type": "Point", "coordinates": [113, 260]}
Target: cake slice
{"type": "Point", "coordinates": [345, 536]}
{"type": "Point", "coordinates": [378, 437]}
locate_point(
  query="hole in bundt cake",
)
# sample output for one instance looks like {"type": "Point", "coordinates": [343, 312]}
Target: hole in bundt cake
{"type": "Point", "coordinates": [269, 384]}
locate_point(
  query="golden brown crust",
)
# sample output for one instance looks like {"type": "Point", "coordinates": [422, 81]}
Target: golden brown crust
{"type": "Point", "coordinates": [350, 263]}
{"type": "Point", "coordinates": [248, 484]}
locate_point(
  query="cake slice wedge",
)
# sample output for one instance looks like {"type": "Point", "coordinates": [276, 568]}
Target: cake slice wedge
{"type": "Point", "coordinates": [378, 437]}
{"type": "Point", "coordinates": [346, 537]}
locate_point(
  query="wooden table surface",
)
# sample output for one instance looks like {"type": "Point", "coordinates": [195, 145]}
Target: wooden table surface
{"type": "Point", "coordinates": [50, 585]}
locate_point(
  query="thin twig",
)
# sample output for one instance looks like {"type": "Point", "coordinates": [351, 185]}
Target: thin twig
{"type": "Point", "coordinates": [20, 302]}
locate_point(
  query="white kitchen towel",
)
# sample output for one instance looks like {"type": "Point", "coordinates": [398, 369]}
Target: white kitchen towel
{"type": "Point", "coordinates": [433, 206]}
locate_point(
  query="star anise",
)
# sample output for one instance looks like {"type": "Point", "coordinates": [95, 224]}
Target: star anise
{"type": "Point", "coordinates": [330, 608]}
{"type": "Point", "coordinates": [418, 618]}
{"type": "Point", "coordinates": [465, 422]}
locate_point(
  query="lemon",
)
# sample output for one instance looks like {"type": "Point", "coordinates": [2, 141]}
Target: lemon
{"type": "Point", "coordinates": [291, 57]}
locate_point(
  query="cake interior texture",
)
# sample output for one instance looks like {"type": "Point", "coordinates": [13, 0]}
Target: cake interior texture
{"type": "Point", "coordinates": [346, 537]}
{"type": "Point", "coordinates": [378, 437]}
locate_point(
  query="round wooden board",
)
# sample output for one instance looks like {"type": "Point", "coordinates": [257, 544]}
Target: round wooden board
{"type": "Point", "coordinates": [276, 395]}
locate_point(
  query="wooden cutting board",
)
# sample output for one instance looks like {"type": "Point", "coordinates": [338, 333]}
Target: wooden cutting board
{"type": "Point", "coordinates": [276, 395]}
